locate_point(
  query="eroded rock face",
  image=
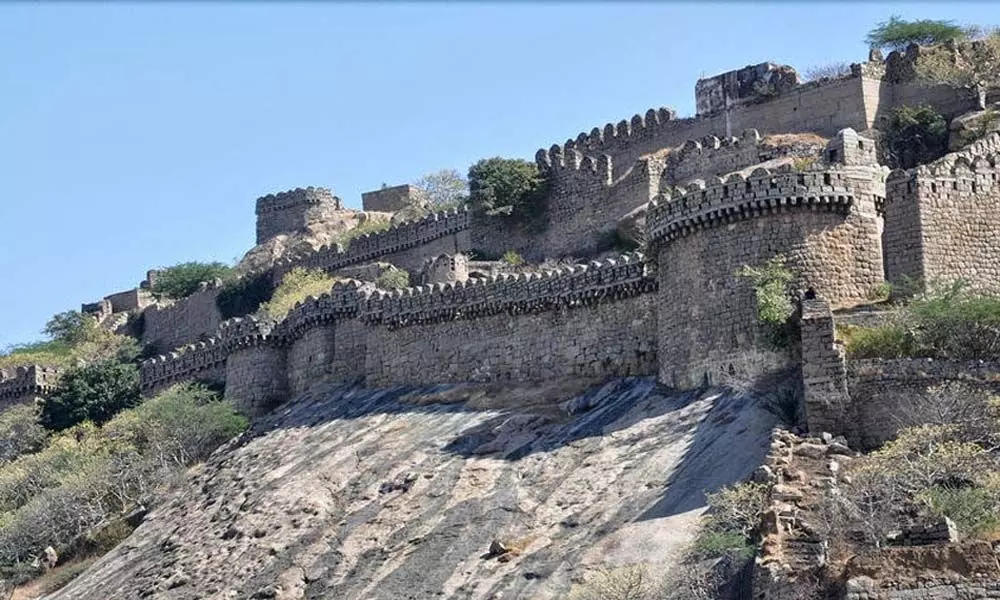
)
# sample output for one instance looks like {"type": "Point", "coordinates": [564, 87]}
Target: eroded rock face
{"type": "Point", "coordinates": [444, 492]}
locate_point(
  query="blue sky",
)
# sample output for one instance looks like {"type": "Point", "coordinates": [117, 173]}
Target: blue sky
{"type": "Point", "coordinates": [134, 136]}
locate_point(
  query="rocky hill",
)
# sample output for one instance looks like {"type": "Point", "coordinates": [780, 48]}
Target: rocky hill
{"type": "Point", "coordinates": [440, 492]}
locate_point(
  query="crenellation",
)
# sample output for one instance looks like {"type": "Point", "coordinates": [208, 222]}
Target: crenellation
{"type": "Point", "coordinates": [294, 210]}
{"type": "Point", "coordinates": [26, 383]}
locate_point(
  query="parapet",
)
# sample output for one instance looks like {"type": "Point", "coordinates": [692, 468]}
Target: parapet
{"type": "Point", "coordinates": [373, 245]}
{"type": "Point", "coordinates": [27, 382]}
{"type": "Point", "coordinates": [565, 287]}
{"type": "Point", "coordinates": [742, 86]}
{"type": "Point", "coordinates": [183, 364]}
{"type": "Point", "coordinates": [446, 268]}
{"type": "Point", "coordinates": [850, 149]}
{"type": "Point", "coordinates": [717, 202]}
{"type": "Point", "coordinates": [639, 127]}
{"type": "Point", "coordinates": [392, 199]}
{"type": "Point", "coordinates": [297, 197]}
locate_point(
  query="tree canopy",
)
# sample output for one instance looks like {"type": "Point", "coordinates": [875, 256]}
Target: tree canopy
{"type": "Point", "coordinates": [182, 280]}
{"type": "Point", "coordinates": [897, 33]}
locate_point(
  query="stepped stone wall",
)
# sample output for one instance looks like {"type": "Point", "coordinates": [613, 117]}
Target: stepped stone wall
{"type": "Point", "coordinates": [940, 219]}
{"type": "Point", "coordinates": [823, 222]}
{"type": "Point", "coordinates": [185, 321]}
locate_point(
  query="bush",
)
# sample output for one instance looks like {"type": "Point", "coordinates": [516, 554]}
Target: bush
{"type": "Point", "coordinates": [393, 279]}
{"type": "Point", "coordinates": [630, 582]}
{"type": "Point", "coordinates": [364, 228]}
{"type": "Point", "coordinates": [243, 296]}
{"type": "Point", "coordinates": [975, 510]}
{"type": "Point", "coordinates": [828, 71]}
{"type": "Point", "coordinates": [182, 425]}
{"type": "Point", "coordinates": [886, 341]}
{"type": "Point", "coordinates": [512, 258]}
{"type": "Point", "coordinates": [713, 544]}
{"type": "Point", "coordinates": [184, 279]}
{"type": "Point", "coordinates": [70, 327]}
{"type": "Point", "coordinates": [20, 432]}
{"type": "Point", "coordinates": [446, 189]}
{"type": "Point", "coordinates": [513, 188]}
{"type": "Point", "coordinates": [52, 353]}
{"type": "Point", "coordinates": [95, 392]}
{"type": "Point", "coordinates": [915, 136]}
{"type": "Point", "coordinates": [297, 285]}
{"type": "Point", "coordinates": [774, 300]}
{"type": "Point", "coordinates": [897, 34]}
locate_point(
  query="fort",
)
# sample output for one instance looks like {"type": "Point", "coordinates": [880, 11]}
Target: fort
{"type": "Point", "coordinates": [768, 166]}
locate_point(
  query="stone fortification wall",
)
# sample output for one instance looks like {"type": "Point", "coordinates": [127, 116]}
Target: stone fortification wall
{"type": "Point", "coordinates": [596, 320]}
{"type": "Point", "coordinates": [940, 219]}
{"type": "Point", "coordinates": [824, 222]}
{"type": "Point", "coordinates": [25, 384]}
{"type": "Point", "coordinates": [394, 198]}
{"type": "Point", "coordinates": [291, 211]}
{"type": "Point", "coordinates": [182, 322]}
{"type": "Point", "coordinates": [886, 393]}
{"type": "Point", "coordinates": [406, 245]}
{"type": "Point", "coordinates": [585, 201]}
{"type": "Point", "coordinates": [824, 381]}
{"type": "Point", "coordinates": [202, 361]}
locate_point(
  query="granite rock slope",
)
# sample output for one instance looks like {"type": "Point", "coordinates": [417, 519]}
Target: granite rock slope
{"type": "Point", "coordinates": [352, 493]}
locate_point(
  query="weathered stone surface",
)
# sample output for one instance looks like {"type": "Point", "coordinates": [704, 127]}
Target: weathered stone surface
{"type": "Point", "coordinates": [294, 508]}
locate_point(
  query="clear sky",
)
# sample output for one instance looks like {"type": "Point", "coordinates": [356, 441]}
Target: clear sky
{"type": "Point", "coordinates": [134, 136]}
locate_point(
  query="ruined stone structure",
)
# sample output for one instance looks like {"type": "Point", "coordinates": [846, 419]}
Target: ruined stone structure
{"type": "Point", "coordinates": [392, 199]}
{"type": "Point", "coordinates": [294, 210]}
{"type": "Point", "coordinates": [170, 325]}
{"type": "Point", "coordinates": [26, 384]}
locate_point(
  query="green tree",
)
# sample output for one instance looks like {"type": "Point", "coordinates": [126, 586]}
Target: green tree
{"type": "Point", "coordinates": [182, 280]}
{"type": "Point", "coordinates": [95, 392]}
{"type": "Point", "coordinates": [914, 136]}
{"type": "Point", "coordinates": [71, 327]}
{"type": "Point", "coordinates": [445, 188]}
{"type": "Point", "coordinates": [898, 33]}
{"type": "Point", "coordinates": [507, 186]}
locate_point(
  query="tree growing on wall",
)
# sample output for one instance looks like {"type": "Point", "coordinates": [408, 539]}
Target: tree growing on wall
{"type": "Point", "coordinates": [914, 135]}
{"type": "Point", "coordinates": [507, 187]}
{"type": "Point", "coordinates": [182, 280]}
{"type": "Point", "coordinates": [897, 33]}
{"type": "Point", "coordinates": [446, 188]}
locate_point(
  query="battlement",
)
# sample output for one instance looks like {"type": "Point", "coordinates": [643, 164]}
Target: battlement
{"type": "Point", "coordinates": [716, 202]}
{"type": "Point", "coordinates": [343, 301]}
{"type": "Point", "coordinates": [23, 383]}
{"type": "Point", "coordinates": [373, 245]}
{"type": "Point", "coordinates": [296, 197]}
{"type": "Point", "coordinates": [577, 285]}
{"type": "Point", "coordinates": [183, 364]}
{"type": "Point", "coordinates": [294, 210]}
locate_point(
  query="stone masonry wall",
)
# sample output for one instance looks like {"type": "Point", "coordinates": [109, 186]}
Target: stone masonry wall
{"type": "Point", "coordinates": [407, 245]}
{"type": "Point", "coordinates": [183, 322]}
{"type": "Point", "coordinates": [25, 384]}
{"type": "Point", "coordinates": [823, 222]}
{"type": "Point", "coordinates": [613, 339]}
{"type": "Point", "coordinates": [393, 198]}
{"type": "Point", "coordinates": [291, 211]}
{"type": "Point", "coordinates": [940, 219]}
{"type": "Point", "coordinates": [824, 373]}
{"type": "Point", "coordinates": [885, 392]}
{"type": "Point", "coordinates": [585, 201]}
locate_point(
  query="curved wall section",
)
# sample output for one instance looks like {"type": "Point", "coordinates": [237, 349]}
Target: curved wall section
{"type": "Point", "coordinates": [821, 222]}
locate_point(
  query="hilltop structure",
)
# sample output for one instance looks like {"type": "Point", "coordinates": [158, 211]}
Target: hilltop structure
{"type": "Point", "coordinates": [801, 178]}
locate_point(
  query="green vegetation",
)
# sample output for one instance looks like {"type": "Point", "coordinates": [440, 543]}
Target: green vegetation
{"type": "Point", "coordinates": [732, 520]}
{"type": "Point", "coordinates": [771, 287]}
{"type": "Point", "coordinates": [364, 228]}
{"type": "Point", "coordinates": [242, 296]}
{"type": "Point", "coordinates": [393, 279]}
{"type": "Point", "coordinates": [297, 285]}
{"type": "Point", "coordinates": [20, 432]}
{"type": "Point", "coordinates": [95, 392]}
{"type": "Point", "coordinates": [184, 279]}
{"type": "Point", "coordinates": [446, 189]}
{"type": "Point", "coordinates": [512, 188]}
{"type": "Point", "coordinates": [973, 62]}
{"type": "Point", "coordinates": [948, 321]}
{"type": "Point", "coordinates": [914, 136]}
{"type": "Point", "coordinates": [76, 339]}
{"type": "Point", "coordinates": [898, 33]}
{"type": "Point", "coordinates": [71, 493]}
{"type": "Point", "coordinates": [512, 258]}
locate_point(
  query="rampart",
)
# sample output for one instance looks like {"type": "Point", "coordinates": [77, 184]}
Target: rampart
{"type": "Point", "coordinates": [291, 211]}
{"type": "Point", "coordinates": [593, 320]}
{"type": "Point", "coordinates": [823, 222]}
{"type": "Point", "coordinates": [857, 101]}
{"type": "Point", "coordinates": [168, 326]}
{"type": "Point", "coordinates": [406, 245]}
{"type": "Point", "coordinates": [26, 384]}
{"type": "Point", "coordinates": [940, 219]}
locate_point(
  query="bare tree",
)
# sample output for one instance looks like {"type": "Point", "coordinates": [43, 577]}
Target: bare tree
{"type": "Point", "coordinates": [444, 188]}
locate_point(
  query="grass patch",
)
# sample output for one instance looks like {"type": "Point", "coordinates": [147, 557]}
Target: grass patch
{"type": "Point", "coordinates": [297, 285]}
